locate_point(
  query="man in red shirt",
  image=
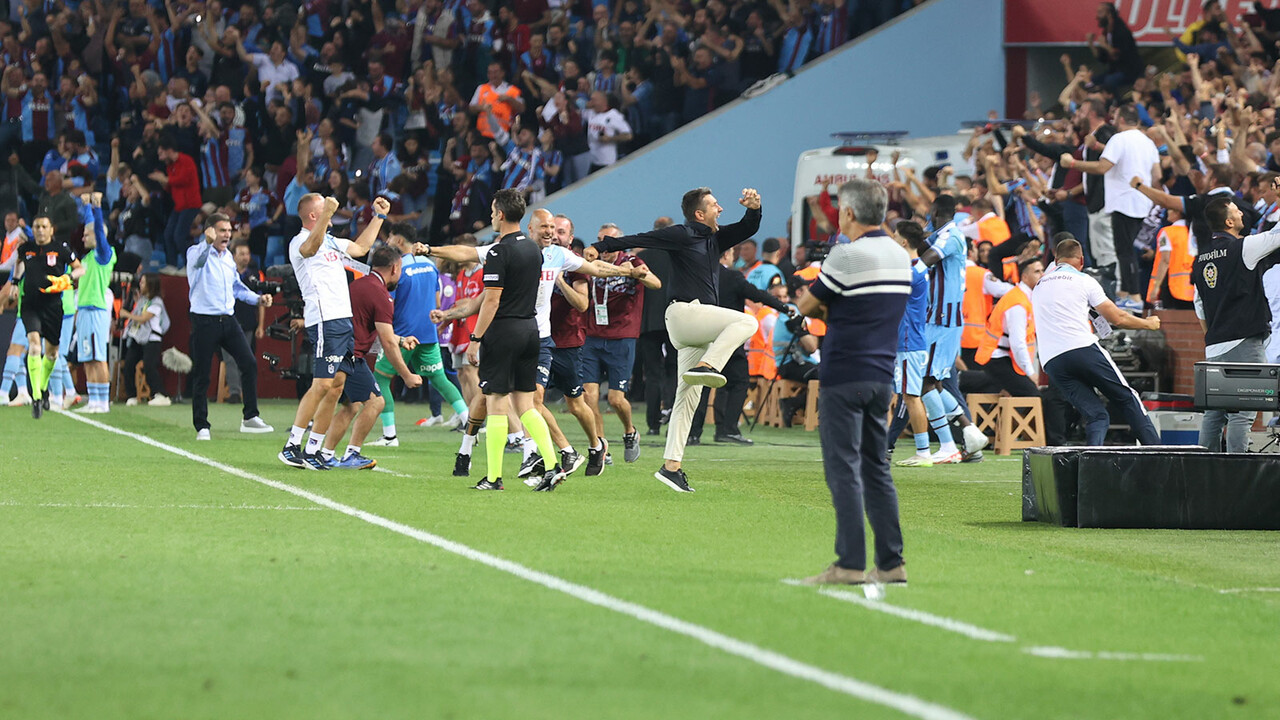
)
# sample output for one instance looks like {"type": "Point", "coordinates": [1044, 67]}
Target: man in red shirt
{"type": "Point", "coordinates": [371, 318]}
{"type": "Point", "coordinates": [182, 181]}
{"type": "Point", "coordinates": [615, 308]}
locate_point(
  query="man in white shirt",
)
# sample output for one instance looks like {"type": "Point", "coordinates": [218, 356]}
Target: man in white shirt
{"type": "Point", "coordinates": [318, 261]}
{"type": "Point", "coordinates": [606, 129]}
{"type": "Point", "coordinates": [1069, 351]}
{"type": "Point", "coordinates": [275, 71]}
{"type": "Point", "coordinates": [1128, 154]}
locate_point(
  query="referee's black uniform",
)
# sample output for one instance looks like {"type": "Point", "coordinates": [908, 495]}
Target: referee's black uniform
{"type": "Point", "coordinates": [509, 348]}
{"type": "Point", "coordinates": [41, 312]}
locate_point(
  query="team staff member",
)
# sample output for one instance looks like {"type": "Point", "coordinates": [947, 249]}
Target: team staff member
{"type": "Point", "coordinates": [1069, 351]}
{"type": "Point", "coordinates": [734, 292]}
{"type": "Point", "coordinates": [613, 315]}
{"type": "Point", "coordinates": [42, 267]}
{"type": "Point", "coordinates": [372, 316]}
{"type": "Point", "coordinates": [704, 335]}
{"type": "Point", "coordinates": [506, 334]}
{"type": "Point", "coordinates": [862, 291]}
{"type": "Point", "coordinates": [317, 260]}
{"type": "Point", "coordinates": [1232, 308]}
{"type": "Point", "coordinates": [215, 286]}
{"type": "Point", "coordinates": [1008, 350]}
{"type": "Point", "coordinates": [93, 315]}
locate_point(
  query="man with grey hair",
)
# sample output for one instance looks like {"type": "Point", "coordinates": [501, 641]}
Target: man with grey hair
{"type": "Point", "coordinates": [703, 334]}
{"type": "Point", "coordinates": [861, 293]}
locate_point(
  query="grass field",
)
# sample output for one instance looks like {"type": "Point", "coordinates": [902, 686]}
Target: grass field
{"type": "Point", "coordinates": [140, 583]}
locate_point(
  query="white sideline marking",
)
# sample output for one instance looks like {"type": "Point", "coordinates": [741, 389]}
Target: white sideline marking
{"type": "Point", "coordinates": [379, 468]}
{"type": "Point", "coordinates": [977, 633]}
{"type": "Point", "coordinates": [124, 506]}
{"type": "Point", "coordinates": [1065, 654]}
{"type": "Point", "coordinates": [956, 626]}
{"type": "Point", "coordinates": [1233, 591]}
{"type": "Point", "coordinates": [906, 704]}
{"type": "Point", "coordinates": [982, 482]}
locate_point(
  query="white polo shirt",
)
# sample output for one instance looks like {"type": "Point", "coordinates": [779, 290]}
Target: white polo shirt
{"type": "Point", "coordinates": [555, 260]}
{"type": "Point", "coordinates": [1133, 154]}
{"type": "Point", "coordinates": [322, 278]}
{"type": "Point", "coordinates": [1061, 302]}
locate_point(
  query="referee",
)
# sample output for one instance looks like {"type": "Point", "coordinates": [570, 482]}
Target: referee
{"type": "Point", "coordinates": [1232, 308]}
{"type": "Point", "coordinates": [1069, 351]}
{"type": "Point", "coordinates": [506, 337]}
{"type": "Point", "coordinates": [704, 335]}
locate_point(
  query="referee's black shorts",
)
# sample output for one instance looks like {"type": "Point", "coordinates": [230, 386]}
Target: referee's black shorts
{"type": "Point", "coordinates": [509, 357]}
{"type": "Point", "coordinates": [44, 316]}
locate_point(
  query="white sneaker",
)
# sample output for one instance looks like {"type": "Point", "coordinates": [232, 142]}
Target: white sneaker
{"type": "Point", "coordinates": [385, 441]}
{"type": "Point", "coordinates": [22, 398]}
{"type": "Point", "coordinates": [131, 402]}
{"type": "Point", "coordinates": [943, 457]}
{"type": "Point", "coordinates": [160, 401]}
{"type": "Point", "coordinates": [916, 461]}
{"type": "Point", "coordinates": [70, 399]}
{"type": "Point", "coordinates": [974, 439]}
{"type": "Point", "coordinates": [55, 403]}
{"type": "Point", "coordinates": [203, 434]}
{"type": "Point", "coordinates": [457, 421]}
{"type": "Point", "coordinates": [433, 421]}
{"type": "Point", "coordinates": [255, 425]}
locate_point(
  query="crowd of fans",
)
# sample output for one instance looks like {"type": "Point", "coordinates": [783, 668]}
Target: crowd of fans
{"type": "Point", "coordinates": [179, 109]}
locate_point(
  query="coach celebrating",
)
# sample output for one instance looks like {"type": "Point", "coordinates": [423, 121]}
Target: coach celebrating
{"type": "Point", "coordinates": [703, 335]}
{"type": "Point", "coordinates": [1232, 308]}
{"type": "Point", "coordinates": [1069, 351]}
{"type": "Point", "coordinates": [862, 293]}
{"type": "Point", "coordinates": [215, 286]}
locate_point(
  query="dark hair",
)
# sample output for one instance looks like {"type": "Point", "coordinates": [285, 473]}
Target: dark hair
{"type": "Point", "coordinates": [944, 206]}
{"type": "Point", "coordinates": [692, 202]}
{"type": "Point", "coordinates": [239, 243]}
{"type": "Point", "coordinates": [153, 285]}
{"type": "Point", "coordinates": [1127, 114]}
{"type": "Point", "coordinates": [404, 230]}
{"type": "Point", "coordinates": [466, 239]}
{"type": "Point", "coordinates": [915, 235]}
{"type": "Point", "coordinates": [1023, 265]}
{"type": "Point", "coordinates": [1273, 136]}
{"type": "Point", "coordinates": [1096, 106]}
{"type": "Point", "coordinates": [610, 55]}
{"type": "Point", "coordinates": [384, 257]}
{"type": "Point", "coordinates": [1068, 248]}
{"type": "Point", "coordinates": [1225, 175]}
{"type": "Point", "coordinates": [167, 143]}
{"type": "Point", "coordinates": [751, 242]}
{"type": "Point", "coordinates": [1104, 133]}
{"type": "Point", "coordinates": [983, 203]}
{"type": "Point", "coordinates": [770, 245]}
{"type": "Point", "coordinates": [1216, 213]}
{"type": "Point", "coordinates": [387, 142]}
{"type": "Point", "coordinates": [75, 136]}
{"type": "Point", "coordinates": [509, 202]}
{"type": "Point", "coordinates": [361, 189]}
{"type": "Point", "coordinates": [214, 219]}
{"type": "Point", "coordinates": [577, 245]}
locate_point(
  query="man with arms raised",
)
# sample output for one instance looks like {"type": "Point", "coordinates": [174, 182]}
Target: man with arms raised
{"type": "Point", "coordinates": [317, 259]}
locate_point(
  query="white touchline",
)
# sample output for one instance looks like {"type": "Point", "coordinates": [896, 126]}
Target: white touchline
{"type": "Point", "coordinates": [1233, 591]}
{"type": "Point", "coordinates": [390, 472]}
{"type": "Point", "coordinates": [956, 626]}
{"type": "Point", "coordinates": [978, 633]}
{"type": "Point", "coordinates": [906, 704]}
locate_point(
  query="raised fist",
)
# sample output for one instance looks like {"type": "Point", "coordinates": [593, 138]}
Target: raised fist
{"type": "Point", "coordinates": [381, 206]}
{"type": "Point", "coordinates": [330, 205]}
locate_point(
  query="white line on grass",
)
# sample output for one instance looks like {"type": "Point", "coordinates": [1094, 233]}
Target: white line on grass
{"type": "Point", "coordinates": [1233, 591]}
{"type": "Point", "coordinates": [906, 704]}
{"type": "Point", "coordinates": [978, 633]}
{"type": "Point", "coordinates": [389, 472]}
{"type": "Point", "coordinates": [125, 506]}
{"type": "Point", "coordinates": [984, 482]}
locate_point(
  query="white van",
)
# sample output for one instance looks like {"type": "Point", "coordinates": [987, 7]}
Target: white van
{"type": "Point", "coordinates": [829, 167]}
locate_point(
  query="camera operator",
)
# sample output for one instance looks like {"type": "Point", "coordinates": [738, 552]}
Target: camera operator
{"type": "Point", "coordinates": [862, 291]}
{"type": "Point", "coordinates": [1232, 308]}
{"type": "Point", "coordinates": [795, 352]}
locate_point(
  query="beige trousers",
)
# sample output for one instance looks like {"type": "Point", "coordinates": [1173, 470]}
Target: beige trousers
{"type": "Point", "coordinates": [699, 333]}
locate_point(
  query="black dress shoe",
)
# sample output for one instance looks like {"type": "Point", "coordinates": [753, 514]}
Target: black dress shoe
{"type": "Point", "coordinates": [693, 441]}
{"type": "Point", "coordinates": [654, 431]}
{"type": "Point", "coordinates": [734, 439]}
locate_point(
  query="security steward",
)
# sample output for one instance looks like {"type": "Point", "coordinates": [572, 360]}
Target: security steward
{"type": "Point", "coordinates": [1232, 308]}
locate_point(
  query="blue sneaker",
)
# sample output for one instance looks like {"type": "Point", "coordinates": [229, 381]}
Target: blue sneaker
{"type": "Point", "coordinates": [291, 455]}
{"type": "Point", "coordinates": [353, 461]}
{"type": "Point", "coordinates": [314, 461]}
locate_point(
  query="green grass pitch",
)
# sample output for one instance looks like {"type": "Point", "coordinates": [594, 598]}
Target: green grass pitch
{"type": "Point", "coordinates": [136, 583]}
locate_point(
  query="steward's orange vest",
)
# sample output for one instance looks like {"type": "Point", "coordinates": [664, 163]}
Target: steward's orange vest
{"type": "Point", "coordinates": [995, 329]}
{"type": "Point", "coordinates": [817, 328]}
{"type": "Point", "coordinates": [760, 360]}
{"type": "Point", "coordinates": [994, 230]}
{"type": "Point", "coordinates": [490, 96]}
{"type": "Point", "coordinates": [976, 307]}
{"type": "Point", "coordinates": [1180, 261]}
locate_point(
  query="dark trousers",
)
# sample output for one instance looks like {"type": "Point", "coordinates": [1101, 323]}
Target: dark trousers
{"type": "Point", "coordinates": [729, 400]}
{"type": "Point", "coordinates": [1075, 220]}
{"type": "Point", "coordinates": [209, 334]}
{"type": "Point", "coordinates": [658, 358]}
{"type": "Point", "coordinates": [1077, 373]}
{"type": "Point", "coordinates": [177, 236]}
{"type": "Point", "coordinates": [1125, 230]}
{"type": "Point", "coordinates": [1007, 378]}
{"type": "Point", "coordinates": [857, 470]}
{"type": "Point", "coordinates": [149, 354]}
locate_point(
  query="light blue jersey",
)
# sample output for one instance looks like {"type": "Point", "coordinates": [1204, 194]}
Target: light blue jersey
{"type": "Point", "coordinates": [947, 278]}
{"type": "Point", "coordinates": [415, 298]}
{"type": "Point", "coordinates": [911, 329]}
